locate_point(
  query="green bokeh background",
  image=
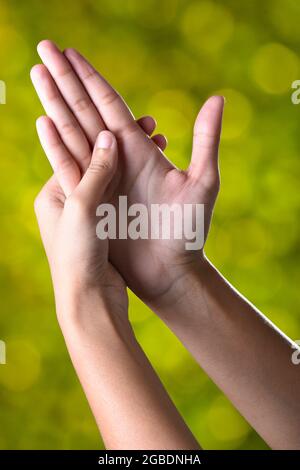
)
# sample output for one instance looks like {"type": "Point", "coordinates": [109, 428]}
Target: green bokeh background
{"type": "Point", "coordinates": [165, 57]}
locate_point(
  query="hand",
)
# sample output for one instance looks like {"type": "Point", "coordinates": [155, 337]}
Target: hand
{"type": "Point", "coordinates": [78, 259]}
{"type": "Point", "coordinates": [92, 307]}
{"type": "Point", "coordinates": [151, 268]}
{"type": "Point", "coordinates": [252, 358]}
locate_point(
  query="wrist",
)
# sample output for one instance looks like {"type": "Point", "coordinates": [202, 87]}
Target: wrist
{"type": "Point", "coordinates": [92, 311]}
{"type": "Point", "coordinates": [187, 290]}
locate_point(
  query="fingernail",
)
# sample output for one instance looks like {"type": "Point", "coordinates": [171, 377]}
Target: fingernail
{"type": "Point", "coordinates": [105, 140]}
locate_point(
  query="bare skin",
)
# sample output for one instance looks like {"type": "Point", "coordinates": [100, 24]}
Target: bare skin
{"type": "Point", "coordinates": [242, 352]}
{"type": "Point", "coordinates": [145, 174]}
{"type": "Point", "coordinates": [130, 405]}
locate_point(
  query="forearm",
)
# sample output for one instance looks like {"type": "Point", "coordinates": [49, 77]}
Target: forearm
{"type": "Point", "coordinates": [130, 405]}
{"type": "Point", "coordinates": [245, 355]}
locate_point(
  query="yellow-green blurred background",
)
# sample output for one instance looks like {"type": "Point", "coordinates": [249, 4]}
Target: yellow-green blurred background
{"type": "Point", "coordinates": [165, 57]}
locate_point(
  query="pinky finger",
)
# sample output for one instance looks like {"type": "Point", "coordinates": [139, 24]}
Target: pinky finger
{"type": "Point", "coordinates": [160, 140]}
{"type": "Point", "coordinates": [147, 123]}
{"type": "Point", "coordinates": [62, 162]}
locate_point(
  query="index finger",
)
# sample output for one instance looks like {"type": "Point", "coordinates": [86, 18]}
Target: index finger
{"type": "Point", "coordinates": [71, 89]}
{"type": "Point", "coordinates": [114, 111]}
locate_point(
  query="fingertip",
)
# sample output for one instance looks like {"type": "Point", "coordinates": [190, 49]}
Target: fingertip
{"type": "Point", "coordinates": [42, 46]}
{"type": "Point", "coordinates": [37, 71]}
{"type": "Point", "coordinates": [42, 122]}
{"type": "Point", "coordinates": [207, 131]}
{"type": "Point", "coordinates": [218, 98]}
{"type": "Point", "coordinates": [105, 140]}
{"type": "Point", "coordinates": [161, 141]}
{"type": "Point", "coordinates": [215, 102]}
{"type": "Point", "coordinates": [45, 45]}
{"type": "Point", "coordinates": [46, 130]}
{"type": "Point", "coordinates": [210, 114]}
{"type": "Point", "coordinates": [152, 120]}
{"type": "Point", "coordinates": [43, 128]}
{"type": "Point", "coordinates": [147, 124]}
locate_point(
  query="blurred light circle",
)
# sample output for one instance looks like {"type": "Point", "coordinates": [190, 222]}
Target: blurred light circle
{"type": "Point", "coordinates": [219, 245]}
{"type": "Point", "coordinates": [173, 110]}
{"type": "Point", "coordinates": [274, 68]}
{"type": "Point", "coordinates": [237, 114]}
{"type": "Point", "coordinates": [256, 245]}
{"type": "Point", "coordinates": [207, 26]}
{"type": "Point", "coordinates": [286, 18]}
{"type": "Point", "coordinates": [22, 366]}
{"type": "Point", "coordinates": [174, 98]}
{"type": "Point", "coordinates": [187, 70]}
{"type": "Point", "coordinates": [117, 51]}
{"type": "Point", "coordinates": [171, 121]}
{"type": "Point", "coordinates": [225, 423]}
{"type": "Point", "coordinates": [236, 172]}
{"type": "Point", "coordinates": [12, 46]}
{"type": "Point", "coordinates": [163, 350]}
{"type": "Point", "coordinates": [147, 11]}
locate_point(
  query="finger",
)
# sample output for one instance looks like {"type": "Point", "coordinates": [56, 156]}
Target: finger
{"type": "Point", "coordinates": [48, 206]}
{"type": "Point", "coordinates": [100, 171]}
{"type": "Point", "coordinates": [71, 89]}
{"type": "Point", "coordinates": [160, 140]}
{"type": "Point", "coordinates": [206, 140]}
{"type": "Point", "coordinates": [62, 162]}
{"type": "Point", "coordinates": [115, 113]}
{"type": "Point", "coordinates": [148, 124]}
{"type": "Point", "coordinates": [65, 122]}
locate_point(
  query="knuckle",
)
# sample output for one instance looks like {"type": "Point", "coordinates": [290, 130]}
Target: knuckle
{"type": "Point", "coordinates": [129, 128]}
{"type": "Point", "coordinates": [64, 72]}
{"type": "Point", "coordinates": [89, 74]}
{"type": "Point", "coordinates": [100, 166]}
{"type": "Point", "coordinates": [64, 166]}
{"type": "Point", "coordinates": [81, 104]}
{"type": "Point", "coordinates": [207, 140]}
{"type": "Point", "coordinates": [68, 127]}
{"type": "Point", "coordinates": [52, 95]}
{"type": "Point", "coordinates": [86, 159]}
{"type": "Point", "coordinates": [55, 145]}
{"type": "Point", "coordinates": [109, 97]}
{"type": "Point", "coordinates": [209, 179]}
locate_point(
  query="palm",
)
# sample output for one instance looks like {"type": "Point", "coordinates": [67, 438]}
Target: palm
{"type": "Point", "coordinates": [79, 95]}
{"type": "Point", "coordinates": [151, 265]}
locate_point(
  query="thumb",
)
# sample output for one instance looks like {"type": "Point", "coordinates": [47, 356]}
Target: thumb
{"type": "Point", "coordinates": [207, 131]}
{"type": "Point", "coordinates": [100, 171]}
